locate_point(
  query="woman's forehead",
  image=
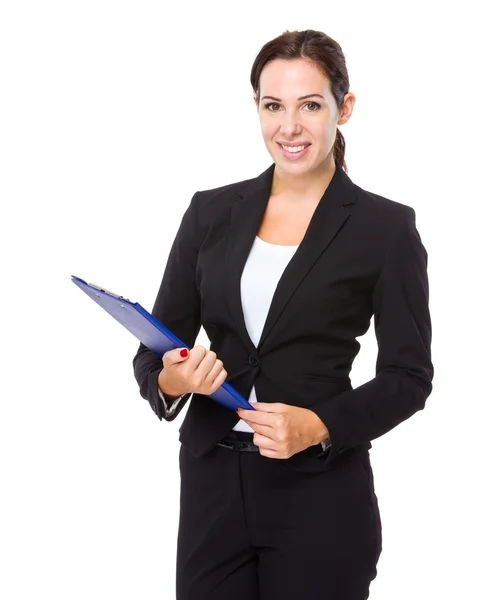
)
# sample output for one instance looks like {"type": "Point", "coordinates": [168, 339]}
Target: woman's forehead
{"type": "Point", "coordinates": [292, 78]}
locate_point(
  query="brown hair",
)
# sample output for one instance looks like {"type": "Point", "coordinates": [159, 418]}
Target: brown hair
{"type": "Point", "coordinates": [318, 48]}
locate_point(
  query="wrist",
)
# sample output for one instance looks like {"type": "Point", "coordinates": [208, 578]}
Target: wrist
{"type": "Point", "coordinates": [321, 432]}
{"type": "Point", "coordinates": [169, 392]}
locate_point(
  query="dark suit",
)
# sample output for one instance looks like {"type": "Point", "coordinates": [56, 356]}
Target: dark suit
{"type": "Point", "coordinates": [361, 256]}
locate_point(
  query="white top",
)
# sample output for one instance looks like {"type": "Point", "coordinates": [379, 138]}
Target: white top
{"type": "Point", "coordinates": [264, 266]}
{"type": "Point", "coordinates": [263, 269]}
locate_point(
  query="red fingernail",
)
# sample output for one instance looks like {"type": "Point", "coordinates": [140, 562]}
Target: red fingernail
{"type": "Point", "coordinates": [184, 352]}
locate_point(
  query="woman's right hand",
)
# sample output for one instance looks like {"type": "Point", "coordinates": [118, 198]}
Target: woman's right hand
{"type": "Point", "coordinates": [199, 372]}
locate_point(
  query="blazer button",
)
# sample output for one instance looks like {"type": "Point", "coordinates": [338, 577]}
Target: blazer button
{"type": "Point", "coordinates": [253, 360]}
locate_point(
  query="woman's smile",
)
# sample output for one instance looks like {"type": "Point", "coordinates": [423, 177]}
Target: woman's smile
{"type": "Point", "coordinates": [292, 155]}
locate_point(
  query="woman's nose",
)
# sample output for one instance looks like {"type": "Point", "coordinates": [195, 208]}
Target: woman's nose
{"type": "Point", "coordinates": [289, 125]}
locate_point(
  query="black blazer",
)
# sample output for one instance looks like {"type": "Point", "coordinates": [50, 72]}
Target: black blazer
{"type": "Point", "coordinates": [361, 256]}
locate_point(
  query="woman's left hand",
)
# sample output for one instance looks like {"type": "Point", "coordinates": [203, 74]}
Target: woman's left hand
{"type": "Point", "coordinates": [281, 430]}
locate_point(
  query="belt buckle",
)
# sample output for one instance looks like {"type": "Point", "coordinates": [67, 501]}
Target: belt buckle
{"type": "Point", "coordinates": [249, 447]}
{"type": "Point", "coordinates": [226, 444]}
{"type": "Point", "coordinates": [238, 445]}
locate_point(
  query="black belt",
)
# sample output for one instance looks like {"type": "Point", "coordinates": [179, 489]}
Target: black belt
{"type": "Point", "coordinates": [242, 441]}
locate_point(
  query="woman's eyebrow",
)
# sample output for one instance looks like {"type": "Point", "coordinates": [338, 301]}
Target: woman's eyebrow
{"type": "Point", "coordinates": [300, 98]}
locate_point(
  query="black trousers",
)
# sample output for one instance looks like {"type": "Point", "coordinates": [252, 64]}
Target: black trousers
{"type": "Point", "coordinates": [253, 528]}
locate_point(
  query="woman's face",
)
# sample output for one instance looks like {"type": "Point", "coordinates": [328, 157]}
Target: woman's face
{"type": "Point", "coordinates": [311, 120]}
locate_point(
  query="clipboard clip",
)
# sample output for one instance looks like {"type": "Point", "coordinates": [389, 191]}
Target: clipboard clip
{"type": "Point", "coordinates": [106, 291]}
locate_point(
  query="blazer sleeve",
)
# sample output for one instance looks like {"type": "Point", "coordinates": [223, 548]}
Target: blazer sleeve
{"type": "Point", "coordinates": [404, 371]}
{"type": "Point", "coordinates": [177, 306]}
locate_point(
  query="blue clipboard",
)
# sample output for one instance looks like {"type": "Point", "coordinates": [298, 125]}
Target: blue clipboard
{"type": "Point", "coordinates": [153, 334]}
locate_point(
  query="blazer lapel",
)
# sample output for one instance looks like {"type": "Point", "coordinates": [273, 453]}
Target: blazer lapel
{"type": "Point", "coordinates": [331, 213]}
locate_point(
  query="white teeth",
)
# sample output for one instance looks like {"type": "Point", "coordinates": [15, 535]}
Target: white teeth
{"type": "Point", "coordinates": [293, 149]}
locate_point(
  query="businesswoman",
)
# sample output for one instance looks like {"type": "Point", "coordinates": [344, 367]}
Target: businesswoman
{"type": "Point", "coordinates": [284, 271]}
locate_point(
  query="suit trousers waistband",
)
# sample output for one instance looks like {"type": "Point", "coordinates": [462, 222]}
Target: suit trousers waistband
{"type": "Point", "coordinates": [241, 441]}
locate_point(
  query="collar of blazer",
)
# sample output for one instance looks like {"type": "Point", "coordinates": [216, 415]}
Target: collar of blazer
{"type": "Point", "coordinates": [333, 210]}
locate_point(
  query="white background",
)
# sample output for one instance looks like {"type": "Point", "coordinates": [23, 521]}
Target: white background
{"type": "Point", "coordinates": [113, 114]}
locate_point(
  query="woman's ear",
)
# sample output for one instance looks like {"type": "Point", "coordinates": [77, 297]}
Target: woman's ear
{"type": "Point", "coordinates": [347, 108]}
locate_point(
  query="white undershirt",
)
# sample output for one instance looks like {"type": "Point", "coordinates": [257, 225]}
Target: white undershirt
{"type": "Point", "coordinates": [263, 269]}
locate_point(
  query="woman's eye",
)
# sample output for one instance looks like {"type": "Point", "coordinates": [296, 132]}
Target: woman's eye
{"type": "Point", "coordinates": [269, 104]}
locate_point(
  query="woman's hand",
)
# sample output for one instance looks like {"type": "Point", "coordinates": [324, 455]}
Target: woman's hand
{"type": "Point", "coordinates": [282, 430]}
{"type": "Point", "coordinates": [200, 371]}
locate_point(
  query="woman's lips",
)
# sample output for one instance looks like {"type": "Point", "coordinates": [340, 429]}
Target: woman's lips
{"type": "Point", "coordinates": [293, 155]}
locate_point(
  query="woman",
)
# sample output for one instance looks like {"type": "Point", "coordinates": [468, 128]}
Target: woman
{"type": "Point", "coordinates": [284, 271]}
